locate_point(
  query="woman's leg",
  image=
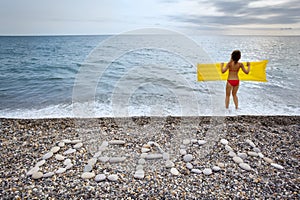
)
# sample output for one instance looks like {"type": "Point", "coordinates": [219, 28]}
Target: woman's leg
{"type": "Point", "coordinates": [235, 98]}
{"type": "Point", "coordinates": [228, 91]}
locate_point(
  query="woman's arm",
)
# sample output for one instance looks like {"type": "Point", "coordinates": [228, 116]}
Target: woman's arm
{"type": "Point", "coordinates": [225, 68]}
{"type": "Point", "coordinates": [246, 71]}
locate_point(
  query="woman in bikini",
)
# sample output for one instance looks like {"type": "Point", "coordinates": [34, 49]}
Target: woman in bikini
{"type": "Point", "coordinates": [232, 85]}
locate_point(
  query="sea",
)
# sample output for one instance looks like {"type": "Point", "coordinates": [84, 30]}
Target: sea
{"type": "Point", "coordinates": [141, 75]}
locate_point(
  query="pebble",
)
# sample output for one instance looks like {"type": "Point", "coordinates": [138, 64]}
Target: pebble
{"type": "Point", "coordinates": [186, 141]}
{"type": "Point", "coordinates": [139, 167]}
{"type": "Point", "coordinates": [207, 171]}
{"type": "Point", "coordinates": [75, 141]}
{"type": "Point", "coordinates": [237, 159]}
{"type": "Point", "coordinates": [67, 141]}
{"type": "Point", "coordinates": [169, 164]}
{"type": "Point", "coordinates": [252, 153]}
{"type": "Point", "coordinates": [174, 171]}
{"type": "Point", "coordinates": [88, 175]}
{"type": "Point", "coordinates": [166, 156]}
{"type": "Point", "coordinates": [232, 154]}
{"type": "Point", "coordinates": [153, 156]}
{"type": "Point", "coordinates": [242, 155]}
{"type": "Point", "coordinates": [182, 146]}
{"type": "Point", "coordinates": [117, 159]}
{"type": "Point", "coordinates": [222, 165]}
{"type": "Point", "coordinates": [103, 159]}
{"type": "Point", "coordinates": [189, 165]}
{"type": "Point", "coordinates": [228, 148]}
{"type": "Point", "coordinates": [69, 166]}
{"type": "Point", "coordinates": [245, 166]}
{"type": "Point", "coordinates": [144, 155]}
{"type": "Point", "coordinates": [116, 142]}
{"type": "Point", "coordinates": [33, 170]}
{"type": "Point", "coordinates": [69, 151]}
{"type": "Point", "coordinates": [100, 177]}
{"type": "Point", "coordinates": [92, 161]}
{"type": "Point", "coordinates": [97, 154]}
{"type": "Point", "coordinates": [78, 145]}
{"type": "Point", "coordinates": [61, 144]}
{"type": "Point", "coordinates": [202, 142]}
{"type": "Point", "coordinates": [40, 163]}
{"type": "Point", "coordinates": [277, 166]}
{"type": "Point", "coordinates": [224, 141]}
{"type": "Point", "coordinates": [183, 152]}
{"type": "Point", "coordinates": [197, 171]}
{"type": "Point", "coordinates": [60, 170]}
{"type": "Point", "coordinates": [250, 143]}
{"type": "Point", "coordinates": [88, 168]}
{"type": "Point", "coordinates": [261, 155]}
{"type": "Point", "coordinates": [145, 150]}
{"type": "Point", "coordinates": [59, 157]}
{"type": "Point", "coordinates": [194, 140]}
{"type": "Point", "coordinates": [113, 177]}
{"type": "Point", "coordinates": [67, 161]}
{"type": "Point", "coordinates": [139, 174]}
{"type": "Point", "coordinates": [216, 168]}
{"type": "Point", "coordinates": [47, 155]}
{"type": "Point", "coordinates": [255, 149]}
{"type": "Point", "coordinates": [49, 174]}
{"type": "Point", "coordinates": [188, 157]}
{"type": "Point", "coordinates": [141, 161]}
{"type": "Point", "coordinates": [268, 160]}
{"type": "Point", "coordinates": [37, 175]}
{"type": "Point", "coordinates": [55, 149]}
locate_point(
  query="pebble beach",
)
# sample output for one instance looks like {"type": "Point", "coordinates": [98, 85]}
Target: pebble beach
{"type": "Point", "coordinates": [233, 157]}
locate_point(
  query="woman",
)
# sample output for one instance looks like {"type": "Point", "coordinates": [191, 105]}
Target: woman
{"type": "Point", "coordinates": [232, 85]}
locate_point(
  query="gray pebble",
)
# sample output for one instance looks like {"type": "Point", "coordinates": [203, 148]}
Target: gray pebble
{"type": "Point", "coordinates": [242, 155]}
{"type": "Point", "coordinates": [216, 168]}
{"type": "Point", "coordinates": [207, 171]}
{"type": "Point", "coordinates": [37, 175]}
{"type": "Point", "coordinates": [55, 149]}
{"type": "Point", "coordinates": [197, 171]}
{"type": "Point", "coordinates": [48, 155]}
{"type": "Point", "coordinates": [88, 168]}
{"type": "Point", "coordinates": [60, 170]}
{"type": "Point", "coordinates": [117, 159]}
{"type": "Point", "coordinates": [202, 142]}
{"type": "Point", "coordinates": [174, 171]}
{"type": "Point", "coordinates": [237, 159]}
{"type": "Point", "coordinates": [59, 157]}
{"type": "Point", "coordinates": [116, 142]}
{"type": "Point", "coordinates": [183, 152]}
{"type": "Point", "coordinates": [153, 156]}
{"type": "Point", "coordinates": [188, 157]}
{"type": "Point", "coordinates": [69, 151]}
{"type": "Point", "coordinates": [88, 175]}
{"type": "Point", "coordinates": [245, 166]}
{"type": "Point", "coordinates": [100, 177]}
{"type": "Point", "coordinates": [139, 174]}
{"type": "Point", "coordinates": [189, 165]}
{"type": "Point", "coordinates": [78, 145]}
{"type": "Point", "coordinates": [40, 163]}
{"type": "Point", "coordinates": [169, 164]}
{"type": "Point", "coordinates": [141, 161]}
{"type": "Point", "coordinates": [113, 177]}
{"type": "Point", "coordinates": [49, 174]}
{"type": "Point", "coordinates": [103, 159]}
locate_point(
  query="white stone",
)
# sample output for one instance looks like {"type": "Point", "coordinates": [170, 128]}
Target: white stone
{"type": "Point", "coordinates": [169, 164]}
{"type": "Point", "coordinates": [69, 151]}
{"type": "Point", "coordinates": [145, 150]}
{"type": "Point", "coordinates": [92, 161]}
{"type": "Point", "coordinates": [66, 141]}
{"type": "Point", "coordinates": [250, 143]}
{"type": "Point", "coordinates": [153, 156]}
{"type": "Point", "coordinates": [139, 167]}
{"type": "Point", "coordinates": [207, 171]}
{"type": "Point", "coordinates": [49, 174]}
{"type": "Point", "coordinates": [113, 177]}
{"type": "Point", "coordinates": [242, 155]}
{"type": "Point", "coordinates": [88, 168]}
{"type": "Point", "coordinates": [55, 149]}
{"type": "Point", "coordinates": [202, 142]}
{"type": "Point", "coordinates": [75, 141]}
{"type": "Point", "coordinates": [103, 159]}
{"type": "Point", "coordinates": [37, 175]}
{"type": "Point", "coordinates": [189, 165]}
{"type": "Point", "coordinates": [97, 154]}
{"type": "Point", "coordinates": [255, 149]}
{"type": "Point", "coordinates": [48, 155]}
{"type": "Point", "coordinates": [183, 152]}
{"type": "Point", "coordinates": [228, 148]}
{"type": "Point", "coordinates": [268, 160]}
{"type": "Point", "coordinates": [194, 140]}
{"type": "Point", "coordinates": [59, 157]}
{"type": "Point", "coordinates": [182, 146]}
{"type": "Point", "coordinates": [222, 165]}
{"type": "Point", "coordinates": [197, 171]}
{"type": "Point", "coordinates": [87, 175]}
{"type": "Point", "coordinates": [141, 161]}
{"type": "Point", "coordinates": [261, 155]}
{"type": "Point", "coordinates": [186, 141]}
{"type": "Point", "coordinates": [252, 153]}
{"type": "Point", "coordinates": [78, 145]}
{"type": "Point", "coordinates": [237, 159]}
{"type": "Point", "coordinates": [224, 141]}
{"type": "Point", "coordinates": [100, 177]}
{"type": "Point", "coordinates": [277, 166]}
{"type": "Point", "coordinates": [32, 170]}
{"type": "Point", "coordinates": [245, 166]}
{"type": "Point", "coordinates": [40, 163]}
{"type": "Point", "coordinates": [117, 159]}
{"type": "Point", "coordinates": [231, 154]}
{"type": "Point", "coordinates": [216, 168]}
{"type": "Point", "coordinates": [60, 170]}
{"type": "Point", "coordinates": [166, 156]}
{"type": "Point", "coordinates": [188, 158]}
{"type": "Point", "coordinates": [67, 161]}
{"type": "Point", "coordinates": [139, 174]}
{"type": "Point", "coordinates": [61, 144]}
{"type": "Point", "coordinates": [69, 166]}
{"type": "Point", "coordinates": [144, 155]}
{"type": "Point", "coordinates": [174, 171]}
{"type": "Point", "coordinates": [117, 142]}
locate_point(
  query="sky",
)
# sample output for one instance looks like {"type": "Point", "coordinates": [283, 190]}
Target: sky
{"type": "Point", "coordinates": [93, 17]}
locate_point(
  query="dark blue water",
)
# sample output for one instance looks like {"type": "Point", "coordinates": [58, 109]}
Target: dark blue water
{"type": "Point", "coordinates": [37, 75]}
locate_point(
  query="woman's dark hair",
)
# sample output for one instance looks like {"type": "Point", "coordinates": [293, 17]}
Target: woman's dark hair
{"type": "Point", "coordinates": [236, 55]}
